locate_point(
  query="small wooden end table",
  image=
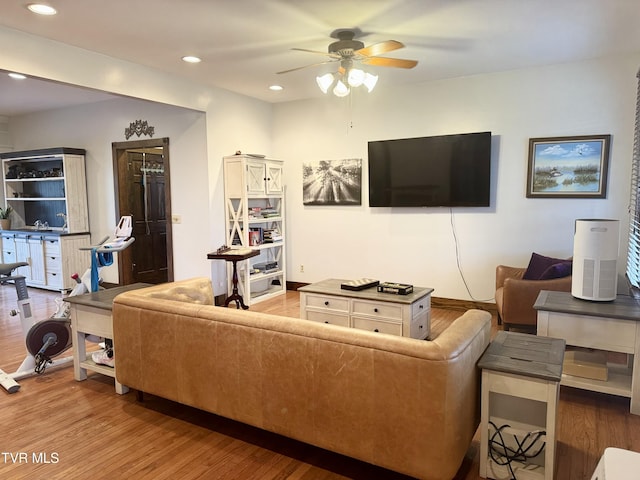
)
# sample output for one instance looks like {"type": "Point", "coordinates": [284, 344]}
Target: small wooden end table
{"type": "Point", "coordinates": [519, 397]}
{"type": "Point", "coordinates": [91, 315]}
{"type": "Point", "coordinates": [234, 256]}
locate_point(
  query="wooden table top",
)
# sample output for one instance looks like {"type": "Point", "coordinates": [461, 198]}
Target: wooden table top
{"type": "Point", "coordinates": [103, 299]}
{"type": "Point", "coordinates": [623, 307]}
{"type": "Point", "coordinates": [525, 354]}
{"type": "Point", "coordinates": [332, 286]}
{"type": "Point", "coordinates": [233, 254]}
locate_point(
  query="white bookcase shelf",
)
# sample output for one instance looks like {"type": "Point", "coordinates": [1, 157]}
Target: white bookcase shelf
{"type": "Point", "coordinates": [47, 186]}
{"type": "Point", "coordinates": [254, 215]}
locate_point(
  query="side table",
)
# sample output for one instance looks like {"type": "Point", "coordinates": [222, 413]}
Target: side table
{"type": "Point", "coordinates": [520, 387]}
{"type": "Point", "coordinates": [91, 315]}
{"type": "Point", "coordinates": [617, 464]}
{"type": "Point", "coordinates": [608, 326]}
{"type": "Point", "coordinates": [234, 256]}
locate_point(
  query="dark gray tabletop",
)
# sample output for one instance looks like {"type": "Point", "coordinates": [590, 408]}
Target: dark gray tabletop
{"type": "Point", "coordinates": [332, 287]}
{"type": "Point", "coordinates": [103, 299]}
{"type": "Point", "coordinates": [623, 307]}
{"type": "Point", "coordinates": [525, 354]}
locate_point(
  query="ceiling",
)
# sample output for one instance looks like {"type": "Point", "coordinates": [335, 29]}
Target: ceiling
{"type": "Point", "coordinates": [243, 43]}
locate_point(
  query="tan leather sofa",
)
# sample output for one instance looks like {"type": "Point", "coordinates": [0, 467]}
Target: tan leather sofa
{"type": "Point", "coordinates": [408, 405]}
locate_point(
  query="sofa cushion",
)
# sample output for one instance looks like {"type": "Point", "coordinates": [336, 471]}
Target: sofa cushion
{"type": "Point", "coordinates": [545, 268]}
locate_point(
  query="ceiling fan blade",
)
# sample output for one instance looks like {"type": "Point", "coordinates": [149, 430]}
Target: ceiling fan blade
{"type": "Point", "coordinates": [326, 54]}
{"type": "Point", "coordinates": [379, 48]}
{"type": "Point", "coordinates": [390, 62]}
{"type": "Point", "coordinates": [305, 66]}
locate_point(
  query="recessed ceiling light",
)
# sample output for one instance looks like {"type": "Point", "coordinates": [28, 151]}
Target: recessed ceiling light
{"type": "Point", "coordinates": [191, 59]}
{"type": "Point", "coordinates": [276, 88]}
{"type": "Point", "coordinates": [42, 9]}
{"type": "Point", "coordinates": [17, 76]}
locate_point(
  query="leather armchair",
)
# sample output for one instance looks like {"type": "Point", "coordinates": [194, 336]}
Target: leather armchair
{"type": "Point", "coordinates": [515, 296]}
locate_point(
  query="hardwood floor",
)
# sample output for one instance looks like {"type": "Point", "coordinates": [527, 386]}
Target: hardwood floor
{"type": "Point", "coordinates": [55, 427]}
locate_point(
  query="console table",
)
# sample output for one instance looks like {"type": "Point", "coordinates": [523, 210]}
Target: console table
{"type": "Point", "coordinates": [402, 315]}
{"type": "Point", "coordinates": [91, 315]}
{"type": "Point", "coordinates": [608, 326]}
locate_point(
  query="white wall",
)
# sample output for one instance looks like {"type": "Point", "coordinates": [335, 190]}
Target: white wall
{"type": "Point", "coordinates": [234, 123]}
{"type": "Point", "coordinates": [231, 122]}
{"type": "Point", "coordinates": [417, 245]}
{"type": "Point", "coordinates": [94, 127]}
{"type": "Point", "coordinates": [407, 245]}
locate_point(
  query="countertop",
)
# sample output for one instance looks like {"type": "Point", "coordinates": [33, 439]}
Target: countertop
{"type": "Point", "coordinates": [45, 232]}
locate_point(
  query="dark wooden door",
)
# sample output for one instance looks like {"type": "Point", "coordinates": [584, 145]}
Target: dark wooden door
{"type": "Point", "coordinates": [143, 192]}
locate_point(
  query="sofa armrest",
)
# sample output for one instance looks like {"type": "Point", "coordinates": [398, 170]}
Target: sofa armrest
{"type": "Point", "coordinates": [520, 295]}
{"type": "Point", "coordinates": [504, 271]}
{"type": "Point", "coordinates": [196, 290]}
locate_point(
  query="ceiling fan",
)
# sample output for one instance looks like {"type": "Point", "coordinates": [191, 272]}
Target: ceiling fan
{"type": "Point", "coordinates": [348, 52]}
{"type": "Point", "coordinates": [346, 49]}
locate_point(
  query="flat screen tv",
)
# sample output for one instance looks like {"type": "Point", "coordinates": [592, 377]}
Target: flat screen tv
{"type": "Point", "coordinates": [440, 171]}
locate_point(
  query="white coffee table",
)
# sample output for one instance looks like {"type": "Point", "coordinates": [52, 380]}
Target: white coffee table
{"type": "Point", "coordinates": [402, 315]}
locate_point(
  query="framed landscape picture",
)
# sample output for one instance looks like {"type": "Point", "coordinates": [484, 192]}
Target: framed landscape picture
{"type": "Point", "coordinates": [568, 167]}
{"type": "Point", "coordinates": [332, 182]}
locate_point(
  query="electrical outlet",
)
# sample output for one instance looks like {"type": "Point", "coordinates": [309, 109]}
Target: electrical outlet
{"type": "Point", "coordinates": [301, 268]}
{"type": "Point", "coordinates": [176, 219]}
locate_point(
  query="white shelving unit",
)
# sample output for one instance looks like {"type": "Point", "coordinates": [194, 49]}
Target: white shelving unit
{"type": "Point", "coordinates": [49, 186]}
{"type": "Point", "coordinates": [255, 218]}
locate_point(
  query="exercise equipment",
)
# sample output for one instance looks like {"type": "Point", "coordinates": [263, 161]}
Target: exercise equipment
{"type": "Point", "coordinates": [49, 338]}
{"type": "Point", "coordinates": [102, 256]}
{"type": "Point", "coordinates": [44, 340]}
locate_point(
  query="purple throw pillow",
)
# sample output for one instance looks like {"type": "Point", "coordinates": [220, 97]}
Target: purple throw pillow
{"type": "Point", "coordinates": [539, 264]}
{"type": "Point", "coordinates": [557, 270]}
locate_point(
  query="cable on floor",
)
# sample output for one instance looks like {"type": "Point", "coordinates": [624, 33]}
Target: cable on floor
{"type": "Point", "coordinates": [502, 454]}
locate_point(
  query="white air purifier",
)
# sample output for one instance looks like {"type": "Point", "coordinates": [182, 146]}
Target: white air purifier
{"type": "Point", "coordinates": [595, 259]}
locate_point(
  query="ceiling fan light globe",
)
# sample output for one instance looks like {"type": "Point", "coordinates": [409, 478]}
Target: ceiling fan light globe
{"type": "Point", "coordinates": [340, 90]}
{"type": "Point", "coordinates": [370, 81]}
{"type": "Point", "coordinates": [355, 77]}
{"type": "Point", "coordinates": [324, 82]}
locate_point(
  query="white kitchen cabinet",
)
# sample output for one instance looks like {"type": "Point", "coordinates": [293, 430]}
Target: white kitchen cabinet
{"type": "Point", "coordinates": [52, 258]}
{"type": "Point", "coordinates": [30, 250]}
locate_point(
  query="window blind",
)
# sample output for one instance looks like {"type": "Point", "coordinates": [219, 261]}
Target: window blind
{"type": "Point", "coordinates": [633, 254]}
